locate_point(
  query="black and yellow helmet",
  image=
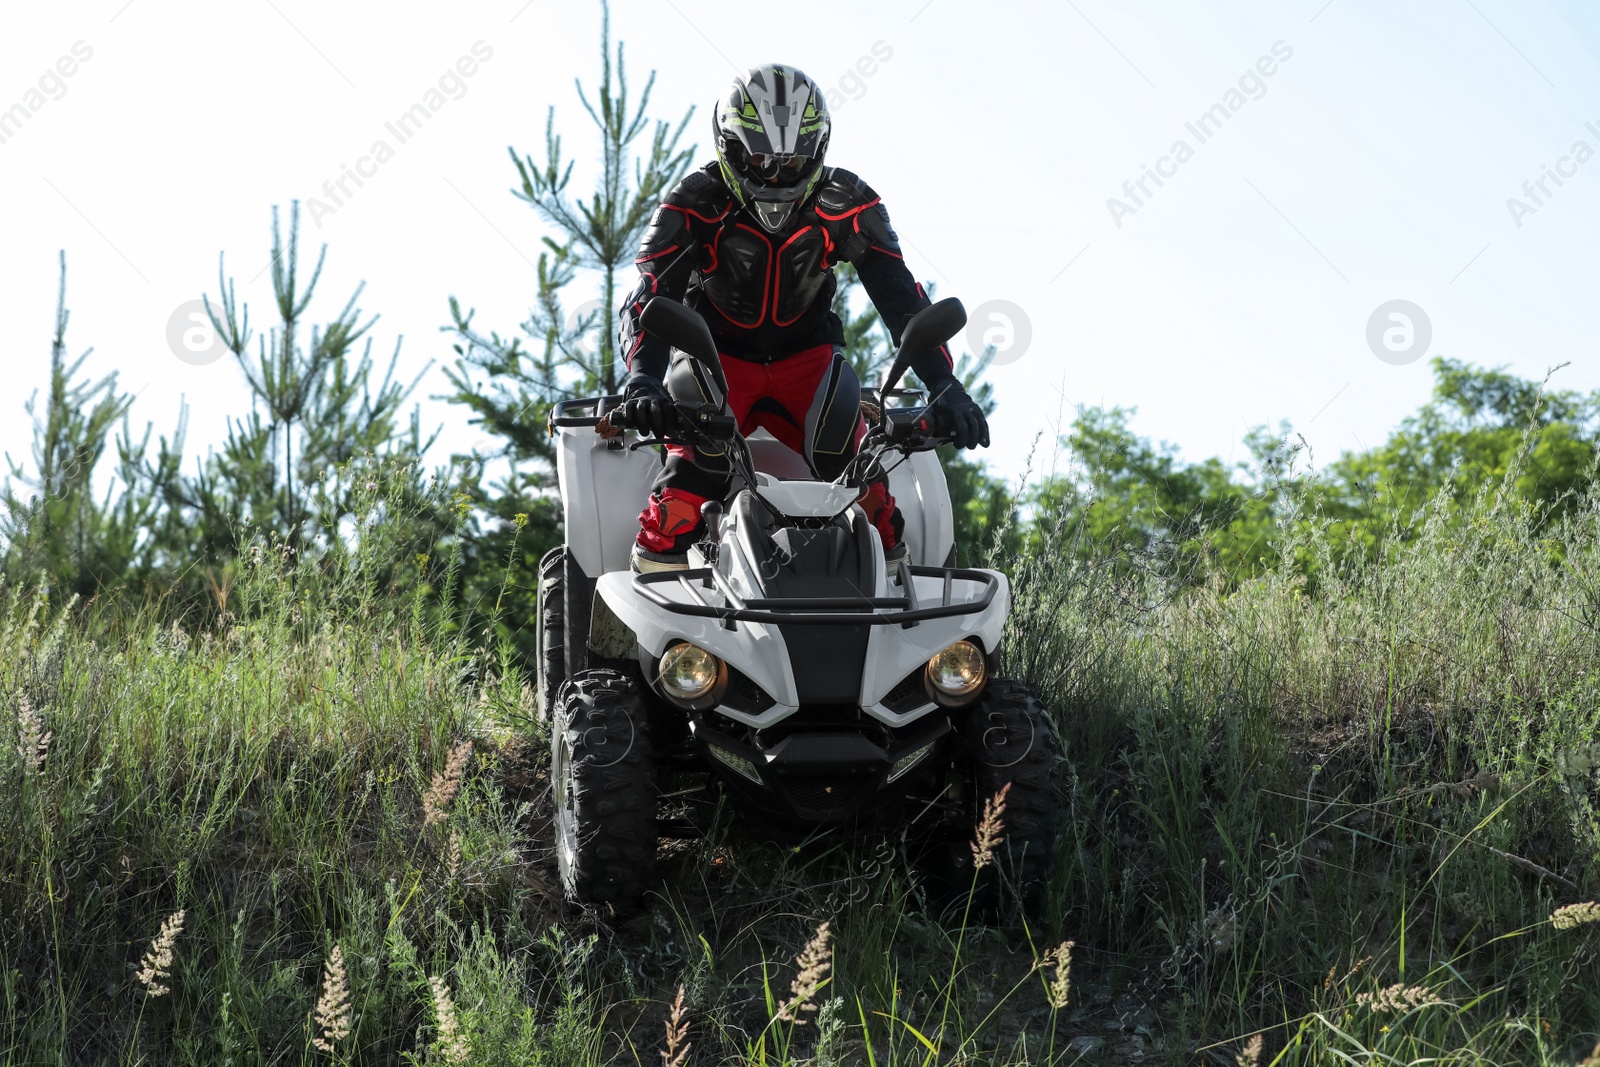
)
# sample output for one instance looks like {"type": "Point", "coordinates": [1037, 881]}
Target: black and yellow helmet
{"type": "Point", "coordinates": [772, 134]}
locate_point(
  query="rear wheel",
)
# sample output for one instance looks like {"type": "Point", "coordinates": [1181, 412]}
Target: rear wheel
{"type": "Point", "coordinates": [566, 597]}
{"type": "Point", "coordinates": [551, 637]}
{"type": "Point", "coordinates": [602, 774]}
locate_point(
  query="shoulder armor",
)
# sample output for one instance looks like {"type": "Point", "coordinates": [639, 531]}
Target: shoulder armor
{"type": "Point", "coordinates": [841, 192]}
{"type": "Point", "coordinates": [697, 200]}
{"type": "Point", "coordinates": [701, 192]}
{"type": "Point", "coordinates": [858, 218]}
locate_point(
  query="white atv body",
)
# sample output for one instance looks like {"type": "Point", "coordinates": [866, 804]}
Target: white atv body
{"type": "Point", "coordinates": [862, 649]}
{"type": "Point", "coordinates": [790, 665]}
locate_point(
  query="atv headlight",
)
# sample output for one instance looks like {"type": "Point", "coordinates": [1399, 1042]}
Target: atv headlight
{"type": "Point", "coordinates": [690, 674]}
{"type": "Point", "coordinates": [957, 673]}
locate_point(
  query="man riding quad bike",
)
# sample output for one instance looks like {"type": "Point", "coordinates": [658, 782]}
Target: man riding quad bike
{"type": "Point", "coordinates": [779, 632]}
{"type": "Point", "coordinates": [750, 242]}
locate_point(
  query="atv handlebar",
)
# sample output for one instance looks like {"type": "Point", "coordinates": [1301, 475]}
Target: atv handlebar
{"type": "Point", "coordinates": [606, 413]}
{"type": "Point", "coordinates": [909, 426]}
{"type": "Point", "coordinates": [905, 429]}
{"type": "Point", "coordinates": [562, 417]}
{"type": "Point", "coordinates": [705, 421]}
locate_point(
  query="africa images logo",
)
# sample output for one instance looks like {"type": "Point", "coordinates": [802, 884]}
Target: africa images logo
{"type": "Point", "coordinates": [192, 334]}
{"type": "Point", "coordinates": [51, 85]}
{"type": "Point", "coordinates": [1565, 167]}
{"type": "Point", "coordinates": [1252, 85]}
{"type": "Point", "coordinates": [1399, 332]}
{"type": "Point", "coordinates": [452, 85]}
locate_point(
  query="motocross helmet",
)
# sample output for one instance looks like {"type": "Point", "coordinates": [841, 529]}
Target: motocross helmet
{"type": "Point", "coordinates": [772, 134]}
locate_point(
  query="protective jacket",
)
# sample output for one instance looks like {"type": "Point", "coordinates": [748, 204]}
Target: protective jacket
{"type": "Point", "coordinates": [767, 296]}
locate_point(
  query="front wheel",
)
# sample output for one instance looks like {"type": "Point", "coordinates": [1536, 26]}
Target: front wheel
{"type": "Point", "coordinates": [1010, 740]}
{"type": "Point", "coordinates": [603, 777]}
{"type": "Point", "coordinates": [1013, 741]}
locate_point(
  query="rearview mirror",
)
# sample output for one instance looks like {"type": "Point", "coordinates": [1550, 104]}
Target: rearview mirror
{"type": "Point", "coordinates": [683, 329]}
{"type": "Point", "coordinates": [927, 330]}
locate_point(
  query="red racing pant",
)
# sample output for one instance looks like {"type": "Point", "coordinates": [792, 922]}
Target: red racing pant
{"type": "Point", "coordinates": [810, 402]}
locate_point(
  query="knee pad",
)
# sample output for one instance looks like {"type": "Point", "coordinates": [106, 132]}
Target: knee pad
{"type": "Point", "coordinates": [833, 420]}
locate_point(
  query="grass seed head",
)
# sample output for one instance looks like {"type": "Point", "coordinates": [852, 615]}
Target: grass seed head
{"type": "Point", "coordinates": [815, 961]}
{"type": "Point", "coordinates": [452, 1044]}
{"type": "Point", "coordinates": [156, 966]}
{"type": "Point", "coordinates": [446, 784]}
{"type": "Point", "coordinates": [1397, 999]}
{"type": "Point", "coordinates": [1061, 985]}
{"type": "Point", "coordinates": [1575, 915]}
{"type": "Point", "coordinates": [1251, 1056]}
{"type": "Point", "coordinates": [33, 740]}
{"type": "Point", "coordinates": [677, 1050]}
{"type": "Point", "coordinates": [332, 1014]}
{"type": "Point", "coordinates": [991, 828]}
{"type": "Point", "coordinates": [452, 861]}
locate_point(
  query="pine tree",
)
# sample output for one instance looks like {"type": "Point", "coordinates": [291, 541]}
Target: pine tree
{"type": "Point", "coordinates": [316, 411]}
{"type": "Point", "coordinates": [510, 382]}
{"type": "Point", "coordinates": [573, 353]}
{"type": "Point", "coordinates": [605, 232]}
{"type": "Point", "coordinates": [55, 537]}
{"type": "Point", "coordinates": [324, 429]}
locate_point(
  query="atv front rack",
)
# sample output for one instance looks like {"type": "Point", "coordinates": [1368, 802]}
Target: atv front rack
{"type": "Point", "coordinates": [828, 611]}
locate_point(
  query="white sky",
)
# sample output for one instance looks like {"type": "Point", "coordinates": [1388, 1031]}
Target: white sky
{"type": "Point", "coordinates": [1376, 166]}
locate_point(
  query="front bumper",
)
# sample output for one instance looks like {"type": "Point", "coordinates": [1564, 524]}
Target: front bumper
{"type": "Point", "coordinates": [821, 776]}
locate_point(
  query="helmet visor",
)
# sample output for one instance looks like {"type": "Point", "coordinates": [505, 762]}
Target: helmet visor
{"type": "Point", "coordinates": [775, 169]}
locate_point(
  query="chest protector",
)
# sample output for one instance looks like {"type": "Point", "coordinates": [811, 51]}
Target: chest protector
{"type": "Point", "coordinates": [764, 295]}
{"type": "Point", "coordinates": [754, 279]}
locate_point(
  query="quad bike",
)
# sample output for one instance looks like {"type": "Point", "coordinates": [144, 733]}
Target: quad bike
{"type": "Point", "coordinates": [789, 670]}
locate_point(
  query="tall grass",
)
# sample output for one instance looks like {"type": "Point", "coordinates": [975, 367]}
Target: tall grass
{"type": "Point", "coordinates": [1341, 817]}
{"type": "Point", "coordinates": [1286, 799]}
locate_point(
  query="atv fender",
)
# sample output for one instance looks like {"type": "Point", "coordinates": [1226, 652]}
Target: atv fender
{"type": "Point", "coordinates": [760, 652]}
{"type": "Point", "coordinates": [893, 652]}
{"type": "Point", "coordinates": [921, 493]}
{"type": "Point", "coordinates": [603, 488]}
{"type": "Point", "coordinates": [755, 649]}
